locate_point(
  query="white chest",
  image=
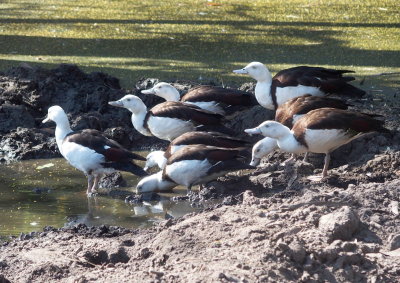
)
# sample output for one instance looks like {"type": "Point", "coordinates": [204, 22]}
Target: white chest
{"type": "Point", "coordinates": [263, 95]}
{"type": "Point", "coordinates": [188, 172]}
{"type": "Point", "coordinates": [168, 128]}
{"type": "Point", "coordinates": [82, 158]}
{"type": "Point", "coordinates": [137, 121]}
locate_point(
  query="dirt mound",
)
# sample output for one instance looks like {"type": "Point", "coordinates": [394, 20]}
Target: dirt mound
{"type": "Point", "coordinates": [322, 234]}
{"type": "Point", "coordinates": [27, 92]}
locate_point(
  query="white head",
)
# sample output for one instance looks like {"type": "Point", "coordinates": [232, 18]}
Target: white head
{"type": "Point", "coordinates": [261, 149]}
{"type": "Point", "coordinates": [154, 183]}
{"type": "Point", "coordinates": [155, 158]}
{"type": "Point", "coordinates": [257, 71]}
{"type": "Point", "coordinates": [56, 114]}
{"type": "Point", "coordinates": [164, 90]}
{"type": "Point", "coordinates": [130, 102]}
{"type": "Point", "coordinates": [270, 129]}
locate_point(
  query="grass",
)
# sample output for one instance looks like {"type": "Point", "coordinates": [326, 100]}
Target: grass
{"type": "Point", "coordinates": [193, 39]}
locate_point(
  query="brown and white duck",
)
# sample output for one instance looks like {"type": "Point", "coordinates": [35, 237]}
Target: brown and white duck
{"type": "Point", "coordinates": [320, 131]}
{"type": "Point", "coordinates": [271, 91]}
{"type": "Point", "coordinates": [159, 158]}
{"type": "Point", "coordinates": [287, 114]}
{"type": "Point", "coordinates": [194, 165]}
{"type": "Point", "coordinates": [169, 120]}
{"type": "Point", "coordinates": [90, 151]}
{"type": "Point", "coordinates": [211, 98]}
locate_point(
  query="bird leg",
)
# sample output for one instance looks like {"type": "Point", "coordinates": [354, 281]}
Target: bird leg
{"type": "Point", "coordinates": [305, 157]}
{"type": "Point", "coordinates": [326, 165]}
{"type": "Point", "coordinates": [189, 190]}
{"type": "Point", "coordinates": [90, 184]}
{"type": "Point", "coordinates": [324, 171]}
{"type": "Point", "coordinates": [290, 160]}
{"type": "Point", "coordinates": [96, 183]}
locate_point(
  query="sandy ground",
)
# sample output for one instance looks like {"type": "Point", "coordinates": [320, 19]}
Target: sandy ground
{"type": "Point", "coordinates": [321, 234]}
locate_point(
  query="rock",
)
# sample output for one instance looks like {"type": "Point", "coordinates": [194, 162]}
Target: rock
{"type": "Point", "coordinates": [394, 242]}
{"type": "Point", "coordinates": [23, 144]}
{"type": "Point", "coordinates": [249, 198]}
{"type": "Point", "coordinates": [119, 256]}
{"type": "Point", "coordinates": [114, 180]}
{"type": "Point", "coordinates": [340, 224]}
{"type": "Point", "coordinates": [297, 251]}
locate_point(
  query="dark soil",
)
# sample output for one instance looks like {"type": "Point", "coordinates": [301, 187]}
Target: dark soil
{"type": "Point", "coordinates": [272, 225]}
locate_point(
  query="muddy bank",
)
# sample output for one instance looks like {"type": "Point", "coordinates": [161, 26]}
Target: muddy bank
{"type": "Point", "coordinates": [320, 234]}
{"type": "Point", "coordinates": [27, 92]}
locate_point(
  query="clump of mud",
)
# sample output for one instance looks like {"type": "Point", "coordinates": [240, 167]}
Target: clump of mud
{"type": "Point", "coordinates": [27, 92]}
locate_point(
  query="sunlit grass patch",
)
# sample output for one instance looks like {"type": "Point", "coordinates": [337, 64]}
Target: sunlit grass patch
{"type": "Point", "coordinates": [200, 39]}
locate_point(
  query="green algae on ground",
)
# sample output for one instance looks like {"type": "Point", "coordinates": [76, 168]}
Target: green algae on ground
{"type": "Point", "coordinates": [200, 39]}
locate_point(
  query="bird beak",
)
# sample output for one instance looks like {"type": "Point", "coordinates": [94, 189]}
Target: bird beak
{"type": "Point", "coordinates": [117, 103]}
{"type": "Point", "coordinates": [148, 91]}
{"type": "Point", "coordinates": [255, 161]}
{"type": "Point", "coordinates": [241, 71]}
{"type": "Point", "coordinates": [254, 131]}
{"type": "Point", "coordinates": [46, 120]}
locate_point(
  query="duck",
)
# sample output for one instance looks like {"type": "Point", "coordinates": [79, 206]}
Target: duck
{"type": "Point", "coordinates": [159, 158]}
{"type": "Point", "coordinates": [271, 91]}
{"type": "Point", "coordinates": [320, 131]}
{"type": "Point", "coordinates": [90, 151]}
{"type": "Point", "coordinates": [287, 114]}
{"type": "Point", "coordinates": [169, 120]}
{"type": "Point", "coordinates": [194, 165]}
{"type": "Point", "coordinates": [211, 98]}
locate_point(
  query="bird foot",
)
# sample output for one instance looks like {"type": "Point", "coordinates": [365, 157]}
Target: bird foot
{"type": "Point", "coordinates": [316, 178]}
{"type": "Point", "coordinates": [93, 193]}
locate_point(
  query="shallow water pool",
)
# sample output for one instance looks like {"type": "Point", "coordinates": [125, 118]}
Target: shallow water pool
{"type": "Point", "coordinates": [38, 193]}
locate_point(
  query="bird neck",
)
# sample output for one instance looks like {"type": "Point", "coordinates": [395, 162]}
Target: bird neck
{"type": "Point", "coordinates": [287, 142]}
{"type": "Point", "coordinates": [160, 159]}
{"type": "Point", "coordinates": [138, 121]}
{"type": "Point", "coordinates": [138, 117]}
{"type": "Point", "coordinates": [62, 130]}
{"type": "Point", "coordinates": [263, 94]}
{"type": "Point", "coordinates": [164, 184]}
{"type": "Point", "coordinates": [172, 95]}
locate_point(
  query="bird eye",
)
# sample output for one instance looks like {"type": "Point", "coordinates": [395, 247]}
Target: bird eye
{"type": "Point", "coordinates": [254, 67]}
{"type": "Point", "coordinates": [128, 99]}
{"type": "Point", "coordinates": [258, 150]}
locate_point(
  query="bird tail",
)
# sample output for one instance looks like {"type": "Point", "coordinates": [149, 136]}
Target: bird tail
{"type": "Point", "coordinates": [350, 90]}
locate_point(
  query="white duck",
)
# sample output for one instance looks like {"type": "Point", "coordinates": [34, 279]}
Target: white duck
{"type": "Point", "coordinates": [320, 131]}
{"type": "Point", "coordinates": [287, 114]}
{"type": "Point", "coordinates": [90, 151]}
{"type": "Point", "coordinates": [211, 98]}
{"type": "Point", "coordinates": [271, 91]}
{"type": "Point", "coordinates": [194, 165]}
{"type": "Point", "coordinates": [190, 138]}
{"type": "Point", "coordinates": [168, 120]}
